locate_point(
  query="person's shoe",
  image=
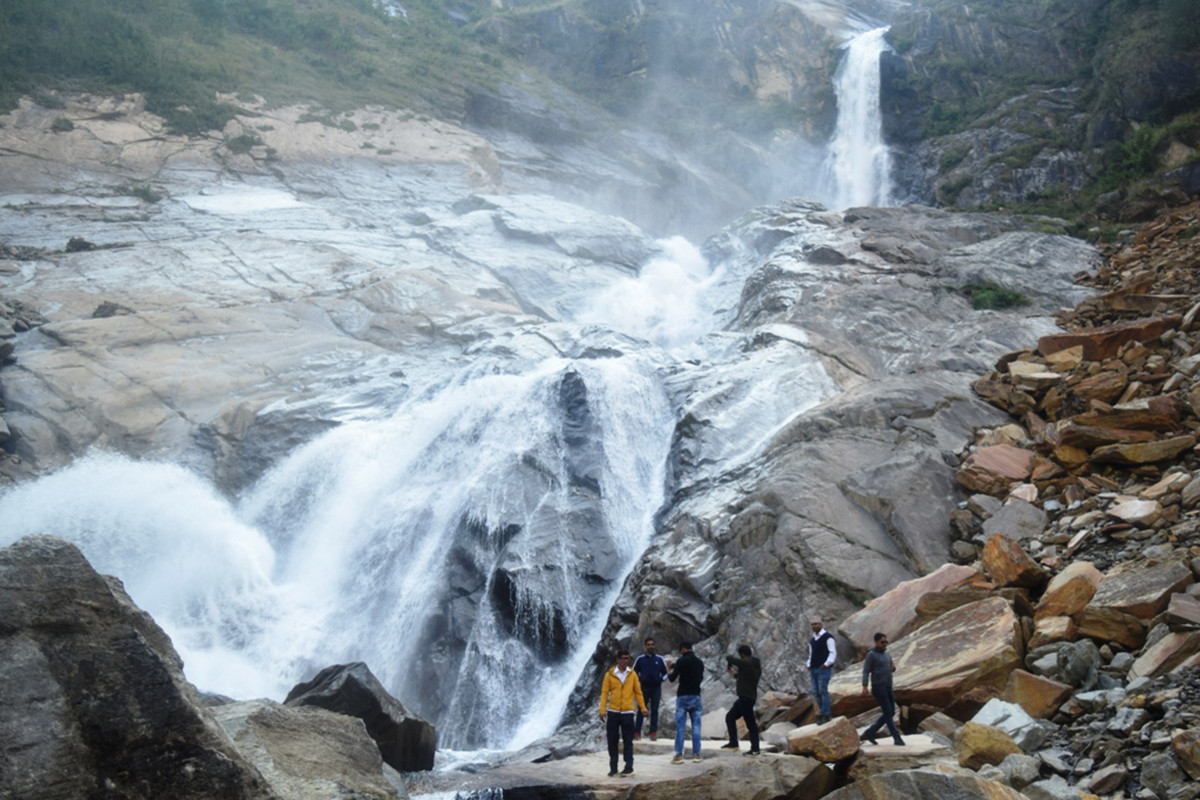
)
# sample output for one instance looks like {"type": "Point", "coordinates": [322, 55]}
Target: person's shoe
{"type": "Point", "coordinates": [612, 773]}
{"type": "Point", "coordinates": [625, 773]}
{"type": "Point", "coordinates": [637, 735]}
{"type": "Point", "coordinates": [678, 759]}
{"type": "Point", "coordinates": [752, 753]}
{"type": "Point", "coordinates": [822, 719]}
{"type": "Point", "coordinates": [730, 746]}
{"type": "Point", "coordinates": [654, 737]}
{"type": "Point", "coordinates": [865, 738]}
{"type": "Point", "coordinates": [696, 757]}
{"type": "Point", "coordinates": [898, 742]}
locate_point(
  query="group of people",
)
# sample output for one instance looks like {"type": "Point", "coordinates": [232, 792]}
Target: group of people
{"type": "Point", "coordinates": [632, 693]}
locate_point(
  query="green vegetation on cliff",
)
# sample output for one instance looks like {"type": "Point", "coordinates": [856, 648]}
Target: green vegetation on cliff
{"type": "Point", "coordinates": [181, 53]}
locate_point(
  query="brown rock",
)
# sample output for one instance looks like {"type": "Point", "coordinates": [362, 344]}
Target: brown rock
{"type": "Point", "coordinates": [992, 469]}
{"type": "Point", "coordinates": [1143, 453]}
{"type": "Point", "coordinates": [1065, 360]}
{"type": "Point", "coordinates": [1104, 342]}
{"type": "Point", "coordinates": [829, 743]}
{"type": "Point", "coordinates": [1158, 414]}
{"type": "Point", "coordinates": [975, 646]}
{"type": "Point", "coordinates": [1186, 745]}
{"type": "Point", "coordinates": [1107, 386]}
{"type": "Point", "coordinates": [1183, 611]}
{"type": "Point", "coordinates": [1039, 696]}
{"type": "Point", "coordinates": [1052, 629]}
{"type": "Point", "coordinates": [1110, 625]}
{"type": "Point", "coordinates": [935, 604]}
{"type": "Point", "coordinates": [1007, 563]}
{"type": "Point", "coordinates": [976, 745]}
{"type": "Point", "coordinates": [1140, 588]}
{"type": "Point", "coordinates": [1069, 591]}
{"type": "Point", "coordinates": [895, 613]}
{"type": "Point", "coordinates": [1173, 650]}
{"type": "Point", "coordinates": [1070, 433]}
{"type": "Point", "coordinates": [926, 782]}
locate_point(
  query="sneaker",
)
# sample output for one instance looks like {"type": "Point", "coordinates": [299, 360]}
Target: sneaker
{"type": "Point", "coordinates": [637, 735]}
{"type": "Point", "coordinates": [612, 773]}
{"type": "Point", "coordinates": [696, 757]}
{"type": "Point", "coordinates": [678, 759]}
{"type": "Point", "coordinates": [654, 737]}
{"type": "Point", "coordinates": [898, 742]}
{"type": "Point", "coordinates": [752, 753]}
{"type": "Point", "coordinates": [865, 738]}
{"type": "Point", "coordinates": [730, 746]}
{"type": "Point", "coordinates": [625, 773]}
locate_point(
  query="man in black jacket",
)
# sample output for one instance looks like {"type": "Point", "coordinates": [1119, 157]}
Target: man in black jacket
{"type": "Point", "coordinates": [650, 669]}
{"type": "Point", "coordinates": [689, 671]}
{"type": "Point", "coordinates": [748, 669]}
{"type": "Point", "coordinates": [877, 669]}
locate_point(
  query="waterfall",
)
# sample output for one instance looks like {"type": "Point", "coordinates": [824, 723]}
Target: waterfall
{"type": "Point", "coordinates": [467, 544]}
{"type": "Point", "coordinates": [858, 165]}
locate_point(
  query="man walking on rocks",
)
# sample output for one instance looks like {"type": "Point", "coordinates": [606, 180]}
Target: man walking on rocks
{"type": "Point", "coordinates": [748, 669]}
{"type": "Point", "coordinates": [822, 652]}
{"type": "Point", "coordinates": [877, 669]}
{"type": "Point", "coordinates": [650, 669]}
{"type": "Point", "coordinates": [689, 671]}
{"type": "Point", "coordinates": [620, 697]}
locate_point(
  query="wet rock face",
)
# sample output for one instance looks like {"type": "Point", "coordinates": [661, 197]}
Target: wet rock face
{"type": "Point", "coordinates": [405, 741]}
{"type": "Point", "coordinates": [94, 701]}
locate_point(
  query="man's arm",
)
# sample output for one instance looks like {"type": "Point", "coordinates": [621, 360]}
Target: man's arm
{"type": "Point", "coordinates": [867, 670]}
{"type": "Point", "coordinates": [832, 652]}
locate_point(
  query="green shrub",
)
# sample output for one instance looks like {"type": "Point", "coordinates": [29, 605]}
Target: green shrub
{"type": "Point", "coordinates": [62, 125]}
{"type": "Point", "coordinates": [992, 297]}
{"type": "Point", "coordinates": [242, 143]}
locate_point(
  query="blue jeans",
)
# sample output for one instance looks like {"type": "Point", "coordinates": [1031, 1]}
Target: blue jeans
{"type": "Point", "coordinates": [688, 705]}
{"type": "Point", "coordinates": [887, 705]}
{"type": "Point", "coordinates": [820, 687]}
{"type": "Point", "coordinates": [652, 697]}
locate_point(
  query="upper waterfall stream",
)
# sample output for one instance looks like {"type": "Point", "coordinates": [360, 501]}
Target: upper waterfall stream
{"type": "Point", "coordinates": [858, 165]}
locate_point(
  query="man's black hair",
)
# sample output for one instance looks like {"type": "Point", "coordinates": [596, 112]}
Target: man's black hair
{"type": "Point", "coordinates": [744, 650]}
{"type": "Point", "coordinates": [685, 646]}
{"type": "Point", "coordinates": [622, 653]}
{"type": "Point", "coordinates": [879, 636]}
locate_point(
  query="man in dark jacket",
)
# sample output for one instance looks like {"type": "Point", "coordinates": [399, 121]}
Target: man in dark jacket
{"type": "Point", "coordinates": [877, 669]}
{"type": "Point", "coordinates": [748, 669]}
{"type": "Point", "coordinates": [689, 671]}
{"type": "Point", "coordinates": [651, 669]}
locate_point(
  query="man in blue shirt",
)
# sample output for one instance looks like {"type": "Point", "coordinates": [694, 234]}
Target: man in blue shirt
{"type": "Point", "coordinates": [650, 669]}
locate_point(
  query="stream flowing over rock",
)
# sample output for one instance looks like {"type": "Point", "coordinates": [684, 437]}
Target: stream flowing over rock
{"type": "Point", "coordinates": [345, 408]}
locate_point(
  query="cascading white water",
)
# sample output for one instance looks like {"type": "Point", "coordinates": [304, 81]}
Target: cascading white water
{"type": "Point", "coordinates": [468, 545]}
{"type": "Point", "coordinates": [858, 165]}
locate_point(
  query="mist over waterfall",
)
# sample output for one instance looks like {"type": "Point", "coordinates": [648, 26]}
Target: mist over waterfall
{"type": "Point", "coordinates": [858, 165]}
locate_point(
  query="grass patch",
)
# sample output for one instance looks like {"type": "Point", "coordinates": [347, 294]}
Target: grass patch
{"type": "Point", "coordinates": [243, 143]}
{"type": "Point", "coordinates": [62, 125]}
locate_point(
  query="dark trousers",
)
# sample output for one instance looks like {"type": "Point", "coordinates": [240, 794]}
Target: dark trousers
{"type": "Point", "coordinates": [620, 726]}
{"type": "Point", "coordinates": [743, 709]}
{"type": "Point", "coordinates": [652, 698]}
{"type": "Point", "coordinates": [887, 704]}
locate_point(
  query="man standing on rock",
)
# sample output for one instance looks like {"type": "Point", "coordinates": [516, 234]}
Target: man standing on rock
{"type": "Point", "coordinates": [877, 669]}
{"type": "Point", "coordinates": [650, 669]}
{"type": "Point", "coordinates": [689, 671]}
{"type": "Point", "coordinates": [748, 669]}
{"type": "Point", "coordinates": [822, 652]}
{"type": "Point", "coordinates": [620, 697]}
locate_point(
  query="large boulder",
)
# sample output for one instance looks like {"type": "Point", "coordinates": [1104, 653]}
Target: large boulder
{"type": "Point", "coordinates": [830, 742]}
{"type": "Point", "coordinates": [928, 782]}
{"type": "Point", "coordinates": [93, 701]}
{"type": "Point", "coordinates": [1140, 588]}
{"type": "Point", "coordinates": [974, 646]}
{"type": "Point", "coordinates": [405, 741]}
{"type": "Point", "coordinates": [895, 613]}
{"type": "Point", "coordinates": [307, 753]}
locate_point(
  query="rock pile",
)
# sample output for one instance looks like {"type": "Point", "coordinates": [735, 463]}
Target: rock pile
{"type": "Point", "coordinates": [1086, 521]}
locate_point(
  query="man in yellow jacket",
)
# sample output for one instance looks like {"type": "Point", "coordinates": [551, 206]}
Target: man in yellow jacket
{"type": "Point", "coordinates": [620, 698]}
